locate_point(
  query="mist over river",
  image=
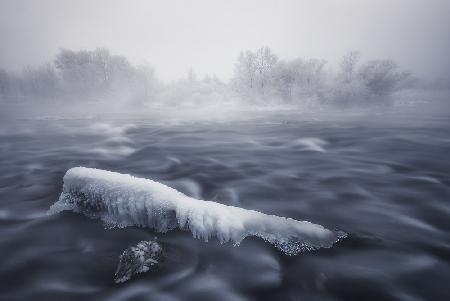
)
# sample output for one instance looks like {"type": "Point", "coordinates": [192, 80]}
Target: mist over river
{"type": "Point", "coordinates": [382, 178]}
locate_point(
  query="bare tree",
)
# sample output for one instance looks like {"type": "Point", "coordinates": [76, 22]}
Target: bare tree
{"type": "Point", "coordinates": [246, 67]}
{"type": "Point", "coordinates": [265, 62]}
{"type": "Point", "coordinates": [348, 66]}
{"type": "Point", "coordinates": [382, 77]}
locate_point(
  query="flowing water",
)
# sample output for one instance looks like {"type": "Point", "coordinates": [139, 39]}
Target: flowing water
{"type": "Point", "coordinates": [384, 180]}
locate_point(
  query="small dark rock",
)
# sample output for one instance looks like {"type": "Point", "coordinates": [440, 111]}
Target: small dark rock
{"type": "Point", "coordinates": [138, 259]}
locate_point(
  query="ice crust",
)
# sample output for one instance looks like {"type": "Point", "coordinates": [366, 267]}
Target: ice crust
{"type": "Point", "coordinates": [121, 200]}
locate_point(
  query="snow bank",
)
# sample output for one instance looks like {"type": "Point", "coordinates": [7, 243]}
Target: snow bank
{"type": "Point", "coordinates": [121, 200]}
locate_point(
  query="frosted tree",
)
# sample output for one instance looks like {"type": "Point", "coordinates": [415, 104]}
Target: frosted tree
{"type": "Point", "coordinates": [348, 66]}
{"type": "Point", "coordinates": [40, 82]}
{"type": "Point", "coordinates": [102, 59]}
{"type": "Point", "coordinates": [245, 69]}
{"type": "Point", "coordinates": [265, 62]}
{"type": "Point", "coordinates": [298, 80]}
{"type": "Point", "coordinates": [254, 72]}
{"type": "Point", "coordinates": [94, 72]}
{"type": "Point", "coordinates": [144, 85]}
{"type": "Point", "coordinates": [284, 79]}
{"type": "Point", "coordinates": [371, 83]}
{"type": "Point", "coordinates": [72, 68]}
{"type": "Point", "coordinates": [382, 77]}
{"type": "Point", "coordinates": [191, 76]}
{"type": "Point", "coordinates": [5, 84]}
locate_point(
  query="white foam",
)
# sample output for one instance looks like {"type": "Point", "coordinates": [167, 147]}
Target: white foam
{"type": "Point", "coordinates": [311, 144]}
{"type": "Point", "coordinates": [122, 200]}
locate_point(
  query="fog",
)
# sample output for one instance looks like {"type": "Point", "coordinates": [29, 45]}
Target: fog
{"type": "Point", "coordinates": [302, 144]}
{"type": "Point", "coordinates": [117, 55]}
{"type": "Point", "coordinates": [207, 35]}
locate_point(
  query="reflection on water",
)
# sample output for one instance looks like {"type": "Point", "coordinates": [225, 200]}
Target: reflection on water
{"type": "Point", "coordinates": [385, 182]}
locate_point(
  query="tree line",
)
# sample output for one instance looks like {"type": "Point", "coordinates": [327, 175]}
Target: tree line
{"type": "Point", "coordinates": [260, 78]}
{"type": "Point", "coordinates": [82, 75]}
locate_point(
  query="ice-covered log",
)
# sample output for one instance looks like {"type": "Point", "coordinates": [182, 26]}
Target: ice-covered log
{"type": "Point", "coordinates": [122, 200]}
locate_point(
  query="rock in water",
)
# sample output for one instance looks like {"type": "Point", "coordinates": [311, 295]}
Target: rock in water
{"type": "Point", "coordinates": [138, 259]}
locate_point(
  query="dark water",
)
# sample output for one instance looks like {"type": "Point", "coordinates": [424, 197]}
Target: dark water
{"type": "Point", "coordinates": [384, 180]}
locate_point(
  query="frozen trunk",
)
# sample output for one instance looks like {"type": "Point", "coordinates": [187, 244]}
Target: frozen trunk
{"type": "Point", "coordinates": [123, 200]}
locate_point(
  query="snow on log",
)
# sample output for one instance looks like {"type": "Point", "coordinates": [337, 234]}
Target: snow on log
{"type": "Point", "coordinates": [121, 200]}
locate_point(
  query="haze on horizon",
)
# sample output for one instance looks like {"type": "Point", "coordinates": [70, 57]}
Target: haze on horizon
{"type": "Point", "coordinates": [173, 36]}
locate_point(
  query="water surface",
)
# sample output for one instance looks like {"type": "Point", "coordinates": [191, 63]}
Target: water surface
{"type": "Point", "coordinates": [384, 180]}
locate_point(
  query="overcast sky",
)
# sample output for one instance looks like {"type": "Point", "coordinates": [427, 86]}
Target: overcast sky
{"type": "Point", "coordinates": [208, 35]}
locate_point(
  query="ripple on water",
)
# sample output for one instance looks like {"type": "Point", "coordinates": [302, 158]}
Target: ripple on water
{"type": "Point", "coordinates": [386, 185]}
